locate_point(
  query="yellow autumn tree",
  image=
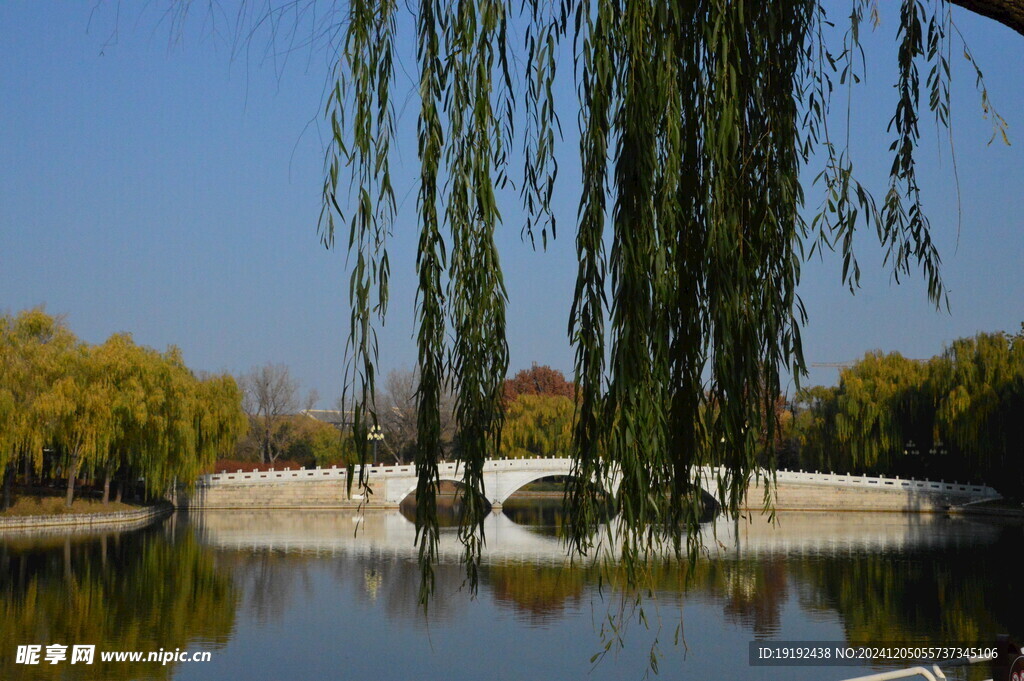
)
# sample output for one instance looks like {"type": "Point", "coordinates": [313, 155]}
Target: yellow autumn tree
{"type": "Point", "coordinates": [33, 346]}
{"type": "Point", "coordinates": [537, 425]}
{"type": "Point", "coordinates": [107, 411]}
{"type": "Point", "coordinates": [77, 411]}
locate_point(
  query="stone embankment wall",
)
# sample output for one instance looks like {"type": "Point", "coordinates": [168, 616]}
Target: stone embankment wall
{"type": "Point", "coordinates": [125, 519]}
{"type": "Point", "coordinates": [304, 494]}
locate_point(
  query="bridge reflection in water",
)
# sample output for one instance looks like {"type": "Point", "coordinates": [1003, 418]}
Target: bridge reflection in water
{"type": "Point", "coordinates": [390, 533]}
{"type": "Point", "coordinates": [859, 577]}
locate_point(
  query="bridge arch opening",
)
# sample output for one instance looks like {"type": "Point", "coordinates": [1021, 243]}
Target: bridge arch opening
{"type": "Point", "coordinates": [514, 484]}
{"type": "Point", "coordinates": [709, 506]}
{"type": "Point", "coordinates": [449, 503]}
{"type": "Point", "coordinates": [540, 503]}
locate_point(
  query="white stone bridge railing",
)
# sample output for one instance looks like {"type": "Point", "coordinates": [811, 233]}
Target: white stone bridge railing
{"type": "Point", "coordinates": [339, 472]}
{"type": "Point", "coordinates": [502, 477]}
{"type": "Point", "coordinates": [883, 482]}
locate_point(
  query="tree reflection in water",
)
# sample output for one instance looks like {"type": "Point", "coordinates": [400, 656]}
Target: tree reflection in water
{"type": "Point", "coordinates": [134, 591]}
{"type": "Point", "coordinates": [881, 578]}
{"type": "Point", "coordinates": [964, 588]}
{"type": "Point", "coordinates": [962, 593]}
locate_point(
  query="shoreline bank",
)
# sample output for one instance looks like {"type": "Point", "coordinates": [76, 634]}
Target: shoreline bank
{"type": "Point", "coordinates": [140, 516]}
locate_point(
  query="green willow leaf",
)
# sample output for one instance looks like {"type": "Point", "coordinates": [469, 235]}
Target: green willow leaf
{"type": "Point", "coordinates": [696, 118]}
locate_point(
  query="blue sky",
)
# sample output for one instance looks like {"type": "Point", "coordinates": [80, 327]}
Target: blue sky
{"type": "Point", "coordinates": [173, 191]}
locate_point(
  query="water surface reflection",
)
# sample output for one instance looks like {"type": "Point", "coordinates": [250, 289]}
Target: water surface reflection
{"type": "Point", "coordinates": [308, 595]}
{"type": "Point", "coordinates": [151, 589]}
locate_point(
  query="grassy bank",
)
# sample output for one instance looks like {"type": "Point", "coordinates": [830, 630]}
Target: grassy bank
{"type": "Point", "coordinates": [41, 503]}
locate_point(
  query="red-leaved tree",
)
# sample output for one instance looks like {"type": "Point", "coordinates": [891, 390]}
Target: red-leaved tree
{"type": "Point", "coordinates": [538, 380]}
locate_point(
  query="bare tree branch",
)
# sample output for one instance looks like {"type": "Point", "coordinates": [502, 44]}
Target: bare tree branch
{"type": "Point", "coordinates": [270, 395]}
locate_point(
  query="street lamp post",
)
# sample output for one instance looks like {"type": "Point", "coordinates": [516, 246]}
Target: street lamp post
{"type": "Point", "coordinates": [376, 435]}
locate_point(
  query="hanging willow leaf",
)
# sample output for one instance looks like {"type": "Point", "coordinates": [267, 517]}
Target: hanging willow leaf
{"type": "Point", "coordinates": [359, 110]}
{"type": "Point", "coordinates": [696, 118]}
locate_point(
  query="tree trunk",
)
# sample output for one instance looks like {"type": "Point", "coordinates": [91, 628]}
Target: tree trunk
{"type": "Point", "coordinates": [1009, 13]}
{"type": "Point", "coordinates": [120, 488]}
{"type": "Point", "coordinates": [106, 487]}
{"type": "Point", "coordinates": [72, 472]}
{"type": "Point", "coordinates": [9, 472]}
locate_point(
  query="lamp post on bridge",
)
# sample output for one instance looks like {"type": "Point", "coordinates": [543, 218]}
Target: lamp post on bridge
{"type": "Point", "coordinates": [376, 435]}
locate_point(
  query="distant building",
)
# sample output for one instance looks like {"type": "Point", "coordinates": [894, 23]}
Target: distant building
{"type": "Point", "coordinates": [336, 417]}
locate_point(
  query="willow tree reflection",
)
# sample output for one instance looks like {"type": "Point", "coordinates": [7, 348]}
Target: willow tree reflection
{"type": "Point", "coordinates": [268, 580]}
{"type": "Point", "coordinates": [961, 593]}
{"type": "Point", "coordinates": [881, 576]}
{"type": "Point", "coordinates": [930, 580]}
{"type": "Point", "coordinates": [538, 593]}
{"type": "Point", "coordinates": [139, 591]}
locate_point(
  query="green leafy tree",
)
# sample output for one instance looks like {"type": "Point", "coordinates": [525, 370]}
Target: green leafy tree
{"type": "Point", "coordinates": [33, 346]}
{"type": "Point", "coordinates": [881, 412]}
{"type": "Point", "coordinates": [77, 409]}
{"type": "Point", "coordinates": [979, 396]}
{"type": "Point", "coordinates": [111, 409]}
{"type": "Point", "coordinates": [124, 365]}
{"type": "Point", "coordinates": [537, 425]}
{"type": "Point", "coordinates": [8, 409]}
{"type": "Point", "coordinates": [814, 427]}
{"type": "Point", "coordinates": [319, 443]}
{"type": "Point", "coordinates": [877, 399]}
{"type": "Point", "coordinates": [955, 416]}
{"type": "Point", "coordinates": [219, 423]}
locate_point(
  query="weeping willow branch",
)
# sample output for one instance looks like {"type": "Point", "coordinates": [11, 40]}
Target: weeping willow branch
{"type": "Point", "coordinates": [362, 127]}
{"type": "Point", "coordinates": [696, 118]}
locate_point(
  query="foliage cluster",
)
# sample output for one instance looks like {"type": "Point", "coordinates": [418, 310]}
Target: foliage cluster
{"type": "Point", "coordinates": [696, 119]}
{"type": "Point", "coordinates": [537, 425]}
{"type": "Point", "coordinates": [538, 407]}
{"type": "Point", "coordinates": [316, 443]}
{"type": "Point", "coordinates": [539, 380]}
{"type": "Point", "coordinates": [954, 416]}
{"type": "Point", "coordinates": [69, 409]}
{"type": "Point", "coordinates": [294, 440]}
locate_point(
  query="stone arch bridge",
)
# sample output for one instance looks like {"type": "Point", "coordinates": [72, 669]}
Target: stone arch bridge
{"type": "Point", "coordinates": [389, 485]}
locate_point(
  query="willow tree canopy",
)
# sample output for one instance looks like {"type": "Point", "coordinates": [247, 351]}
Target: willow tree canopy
{"type": "Point", "coordinates": [696, 119]}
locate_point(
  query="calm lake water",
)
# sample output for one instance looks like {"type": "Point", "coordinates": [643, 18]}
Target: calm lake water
{"type": "Point", "coordinates": [282, 595]}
